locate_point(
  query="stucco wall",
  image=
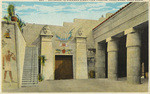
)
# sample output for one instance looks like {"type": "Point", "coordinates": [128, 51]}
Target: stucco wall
{"type": "Point", "coordinates": [31, 32]}
{"type": "Point", "coordinates": [16, 44]}
{"type": "Point", "coordinates": [9, 44]}
{"type": "Point", "coordinates": [20, 46]}
{"type": "Point", "coordinates": [32, 36]}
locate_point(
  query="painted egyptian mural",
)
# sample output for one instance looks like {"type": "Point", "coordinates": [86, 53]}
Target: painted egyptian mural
{"type": "Point", "coordinates": [9, 64]}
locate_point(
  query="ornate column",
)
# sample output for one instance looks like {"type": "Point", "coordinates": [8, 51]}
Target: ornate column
{"type": "Point", "coordinates": [133, 44]}
{"type": "Point", "coordinates": [112, 49]}
{"type": "Point", "coordinates": [47, 51]}
{"type": "Point", "coordinates": [81, 56]}
{"type": "Point", "coordinates": [100, 60]}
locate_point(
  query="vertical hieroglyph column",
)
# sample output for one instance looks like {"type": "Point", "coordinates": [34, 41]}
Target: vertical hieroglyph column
{"type": "Point", "coordinates": [81, 57]}
{"type": "Point", "coordinates": [100, 61]}
{"type": "Point", "coordinates": [112, 49]}
{"type": "Point", "coordinates": [47, 51]}
{"type": "Point", "coordinates": [133, 44]}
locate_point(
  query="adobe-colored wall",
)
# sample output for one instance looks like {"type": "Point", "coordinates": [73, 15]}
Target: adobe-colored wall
{"type": "Point", "coordinates": [9, 44]}
{"type": "Point", "coordinates": [20, 46]}
{"type": "Point", "coordinates": [32, 36]}
{"type": "Point", "coordinates": [16, 44]}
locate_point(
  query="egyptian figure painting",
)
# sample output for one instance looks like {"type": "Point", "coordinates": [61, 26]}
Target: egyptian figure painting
{"type": "Point", "coordinates": [74, 46]}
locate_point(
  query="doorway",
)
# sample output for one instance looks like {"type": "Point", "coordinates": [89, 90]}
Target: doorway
{"type": "Point", "coordinates": [144, 53]}
{"type": "Point", "coordinates": [122, 56]}
{"type": "Point", "coordinates": [63, 67]}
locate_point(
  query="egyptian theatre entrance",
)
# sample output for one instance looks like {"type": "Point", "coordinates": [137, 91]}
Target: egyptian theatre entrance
{"type": "Point", "coordinates": [64, 48]}
{"type": "Point", "coordinates": [65, 54]}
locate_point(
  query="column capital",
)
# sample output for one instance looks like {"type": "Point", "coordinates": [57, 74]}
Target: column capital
{"type": "Point", "coordinates": [129, 30]}
{"type": "Point", "coordinates": [46, 33]}
{"type": "Point", "coordinates": [133, 39]}
{"type": "Point", "coordinates": [84, 37]}
{"type": "Point", "coordinates": [46, 38]}
{"type": "Point", "coordinates": [112, 45]}
{"type": "Point", "coordinates": [111, 39]}
{"type": "Point", "coordinates": [99, 46]}
{"type": "Point", "coordinates": [80, 39]}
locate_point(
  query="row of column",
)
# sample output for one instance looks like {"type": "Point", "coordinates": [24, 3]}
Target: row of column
{"type": "Point", "coordinates": [133, 43]}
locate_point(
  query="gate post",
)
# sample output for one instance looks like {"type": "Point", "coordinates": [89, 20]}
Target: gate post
{"type": "Point", "coordinates": [47, 51]}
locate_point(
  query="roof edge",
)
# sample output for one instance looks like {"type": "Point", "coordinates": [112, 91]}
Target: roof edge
{"type": "Point", "coordinates": [111, 16]}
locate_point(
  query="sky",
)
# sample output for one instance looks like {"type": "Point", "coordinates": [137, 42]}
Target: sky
{"type": "Point", "coordinates": [55, 13]}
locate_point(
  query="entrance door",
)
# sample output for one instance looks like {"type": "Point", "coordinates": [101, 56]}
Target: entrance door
{"type": "Point", "coordinates": [63, 67]}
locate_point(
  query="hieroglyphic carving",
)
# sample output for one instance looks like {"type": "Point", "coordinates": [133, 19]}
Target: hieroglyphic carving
{"type": "Point", "coordinates": [64, 51]}
{"type": "Point", "coordinates": [65, 36]}
{"type": "Point", "coordinates": [3, 43]}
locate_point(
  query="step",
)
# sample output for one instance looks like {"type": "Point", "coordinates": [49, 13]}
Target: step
{"type": "Point", "coordinates": [30, 68]}
{"type": "Point", "coordinates": [29, 85]}
{"type": "Point", "coordinates": [29, 81]}
{"type": "Point", "coordinates": [29, 74]}
{"type": "Point", "coordinates": [26, 77]}
{"type": "Point", "coordinates": [33, 77]}
{"type": "Point", "coordinates": [29, 77]}
{"type": "Point", "coordinates": [35, 73]}
{"type": "Point", "coordinates": [32, 85]}
{"type": "Point", "coordinates": [29, 62]}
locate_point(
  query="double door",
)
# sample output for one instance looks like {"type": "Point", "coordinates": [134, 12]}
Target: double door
{"type": "Point", "coordinates": [63, 67]}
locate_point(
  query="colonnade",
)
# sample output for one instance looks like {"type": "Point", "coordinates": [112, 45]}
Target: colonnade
{"type": "Point", "coordinates": [133, 43]}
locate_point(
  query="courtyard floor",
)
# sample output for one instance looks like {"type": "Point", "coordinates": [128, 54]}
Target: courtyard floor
{"type": "Point", "coordinates": [88, 85]}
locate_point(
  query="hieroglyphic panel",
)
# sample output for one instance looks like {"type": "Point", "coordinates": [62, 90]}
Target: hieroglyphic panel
{"type": "Point", "coordinates": [9, 65]}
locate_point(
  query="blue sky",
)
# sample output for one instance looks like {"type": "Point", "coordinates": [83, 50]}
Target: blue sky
{"type": "Point", "coordinates": [55, 13]}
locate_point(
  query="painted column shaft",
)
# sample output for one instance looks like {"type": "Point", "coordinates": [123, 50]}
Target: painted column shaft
{"type": "Point", "coordinates": [133, 58]}
{"type": "Point", "coordinates": [81, 58]}
{"type": "Point", "coordinates": [112, 49]}
{"type": "Point", "coordinates": [47, 51]}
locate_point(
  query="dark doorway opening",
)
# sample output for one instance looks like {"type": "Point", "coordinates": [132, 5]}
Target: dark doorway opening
{"type": "Point", "coordinates": [122, 57]}
{"type": "Point", "coordinates": [63, 67]}
{"type": "Point", "coordinates": [106, 63]}
{"type": "Point", "coordinates": [144, 52]}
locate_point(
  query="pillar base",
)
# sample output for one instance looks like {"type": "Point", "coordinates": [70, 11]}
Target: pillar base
{"type": "Point", "coordinates": [134, 79]}
{"type": "Point", "coordinates": [112, 77]}
{"type": "Point", "coordinates": [100, 72]}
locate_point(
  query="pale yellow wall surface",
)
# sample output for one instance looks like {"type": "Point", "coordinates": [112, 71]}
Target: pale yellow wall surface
{"type": "Point", "coordinates": [16, 44]}
{"type": "Point", "coordinates": [9, 44]}
{"type": "Point", "coordinates": [32, 36]}
{"type": "Point", "coordinates": [32, 31]}
{"type": "Point", "coordinates": [21, 44]}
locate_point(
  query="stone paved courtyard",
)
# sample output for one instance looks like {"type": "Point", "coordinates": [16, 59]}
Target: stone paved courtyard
{"type": "Point", "coordinates": [89, 85]}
